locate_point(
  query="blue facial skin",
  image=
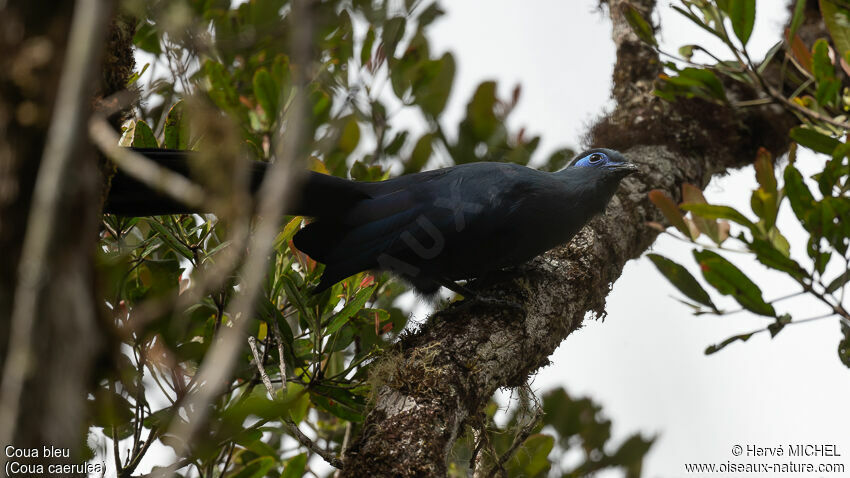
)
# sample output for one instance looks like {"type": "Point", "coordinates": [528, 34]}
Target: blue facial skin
{"type": "Point", "coordinates": [600, 158]}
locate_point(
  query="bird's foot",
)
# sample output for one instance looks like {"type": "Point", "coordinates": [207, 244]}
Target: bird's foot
{"type": "Point", "coordinates": [499, 303]}
{"type": "Point", "coordinates": [471, 298]}
{"type": "Point", "coordinates": [478, 299]}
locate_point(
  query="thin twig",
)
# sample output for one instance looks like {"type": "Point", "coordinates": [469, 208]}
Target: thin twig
{"type": "Point", "coordinates": [479, 434]}
{"type": "Point", "coordinates": [131, 466]}
{"type": "Point", "coordinates": [307, 442]}
{"type": "Point", "coordinates": [805, 111]}
{"type": "Point", "coordinates": [116, 453]}
{"type": "Point", "coordinates": [290, 425]}
{"type": "Point", "coordinates": [520, 437]}
{"type": "Point", "coordinates": [279, 340]}
{"type": "Point", "coordinates": [252, 343]}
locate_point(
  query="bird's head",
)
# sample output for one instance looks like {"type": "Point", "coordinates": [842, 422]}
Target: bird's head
{"type": "Point", "coordinates": [607, 162]}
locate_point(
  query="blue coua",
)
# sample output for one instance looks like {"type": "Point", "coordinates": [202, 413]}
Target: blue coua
{"type": "Point", "coordinates": [431, 228]}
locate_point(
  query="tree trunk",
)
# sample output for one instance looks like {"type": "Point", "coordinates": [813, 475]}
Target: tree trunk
{"type": "Point", "coordinates": [49, 218]}
{"type": "Point", "coordinates": [440, 377]}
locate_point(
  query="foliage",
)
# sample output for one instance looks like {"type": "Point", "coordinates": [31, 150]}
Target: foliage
{"type": "Point", "coordinates": [219, 79]}
{"type": "Point", "coordinates": [547, 432]}
{"type": "Point", "coordinates": [811, 86]}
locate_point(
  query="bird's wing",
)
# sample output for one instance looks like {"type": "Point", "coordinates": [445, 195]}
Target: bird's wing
{"type": "Point", "coordinates": [412, 221]}
{"type": "Point", "coordinates": [352, 243]}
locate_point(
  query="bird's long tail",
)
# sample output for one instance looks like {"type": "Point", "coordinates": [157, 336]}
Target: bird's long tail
{"type": "Point", "coordinates": [319, 195]}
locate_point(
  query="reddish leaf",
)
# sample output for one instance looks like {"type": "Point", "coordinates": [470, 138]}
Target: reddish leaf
{"type": "Point", "coordinates": [671, 212]}
{"type": "Point", "coordinates": [692, 195]}
{"type": "Point", "coordinates": [800, 52]}
{"type": "Point", "coordinates": [368, 280]}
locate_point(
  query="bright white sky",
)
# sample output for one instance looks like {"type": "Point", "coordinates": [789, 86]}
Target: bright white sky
{"type": "Point", "coordinates": [645, 363]}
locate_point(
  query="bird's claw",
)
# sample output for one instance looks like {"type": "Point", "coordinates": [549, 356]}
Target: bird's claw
{"type": "Point", "coordinates": [490, 302]}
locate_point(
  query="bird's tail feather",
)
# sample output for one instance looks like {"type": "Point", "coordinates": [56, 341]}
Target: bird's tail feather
{"type": "Point", "coordinates": [320, 194]}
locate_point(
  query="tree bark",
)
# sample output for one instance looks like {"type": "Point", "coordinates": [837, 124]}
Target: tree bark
{"type": "Point", "coordinates": [439, 378]}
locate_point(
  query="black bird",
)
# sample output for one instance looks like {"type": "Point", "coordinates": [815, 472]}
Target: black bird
{"type": "Point", "coordinates": [431, 228]}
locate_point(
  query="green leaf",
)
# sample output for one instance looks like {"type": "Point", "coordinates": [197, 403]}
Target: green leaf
{"type": "Point", "coordinates": [291, 228]}
{"type": "Point", "coordinates": [700, 82]}
{"type": "Point", "coordinates": [682, 279]}
{"type": "Point", "coordinates": [366, 48]}
{"type": "Point", "coordinates": [432, 95]}
{"type": "Point", "coordinates": [170, 239]}
{"type": "Point", "coordinates": [177, 128]}
{"type": "Point", "coordinates": [480, 113]}
{"type": "Point", "coordinates": [272, 315]}
{"type": "Point", "coordinates": [797, 18]}
{"type": "Point", "coordinates": [714, 348]}
{"type": "Point", "coordinates": [687, 51]}
{"type": "Point", "coordinates": [431, 13]}
{"type": "Point", "coordinates": [256, 468]}
{"type": "Point", "coordinates": [160, 418]}
{"type": "Point", "coordinates": [137, 74]}
{"type": "Point", "coordinates": [813, 140]}
{"type": "Point", "coordinates": [764, 171]}
{"type": "Point", "coordinates": [769, 255]}
{"type": "Point", "coordinates": [143, 136]}
{"type": "Point", "coordinates": [221, 89]}
{"type": "Point", "coordinates": [798, 193]}
{"type": "Point", "coordinates": [532, 459]}
{"type": "Point", "coordinates": [743, 16]}
{"type": "Point", "coordinates": [836, 171]}
{"type": "Point", "coordinates": [147, 38]}
{"type": "Point", "coordinates": [711, 211]}
{"type": "Point", "coordinates": [641, 27]}
{"type": "Point", "coordinates": [267, 92]}
{"type": "Point", "coordinates": [827, 91]}
{"type": "Point", "coordinates": [671, 212]}
{"type": "Point", "coordinates": [350, 135]}
{"type": "Point", "coordinates": [766, 207]}
{"type": "Point", "coordinates": [632, 451]}
{"type": "Point", "coordinates": [827, 85]}
{"type": "Point", "coordinates": [697, 20]}
{"type": "Point", "coordinates": [394, 146]}
{"type": "Point", "coordinates": [295, 466]}
{"type": "Point", "coordinates": [729, 280]}
{"type": "Point", "coordinates": [336, 408]}
{"type": "Point", "coordinates": [393, 33]}
{"type": "Point", "coordinates": [299, 400]}
{"type": "Point", "coordinates": [295, 297]}
{"type": "Point", "coordinates": [844, 347]}
{"type": "Point", "coordinates": [837, 20]}
{"type": "Point", "coordinates": [421, 154]}
{"type": "Point", "coordinates": [353, 305]}
{"type": "Point", "coordinates": [838, 282]}
{"type": "Point", "coordinates": [779, 324]}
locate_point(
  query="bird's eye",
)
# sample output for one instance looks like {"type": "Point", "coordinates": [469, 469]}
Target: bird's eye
{"type": "Point", "coordinates": [596, 157]}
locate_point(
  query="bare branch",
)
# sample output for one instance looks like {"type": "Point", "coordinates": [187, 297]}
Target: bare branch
{"type": "Point", "coordinates": [279, 341]}
{"type": "Point", "coordinates": [258, 359]}
{"type": "Point", "coordinates": [290, 425]}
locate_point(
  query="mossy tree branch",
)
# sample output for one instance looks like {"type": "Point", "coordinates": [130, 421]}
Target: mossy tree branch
{"type": "Point", "coordinates": [442, 375]}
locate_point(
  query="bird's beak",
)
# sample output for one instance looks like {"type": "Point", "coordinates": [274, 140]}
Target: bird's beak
{"type": "Point", "coordinates": [625, 169]}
